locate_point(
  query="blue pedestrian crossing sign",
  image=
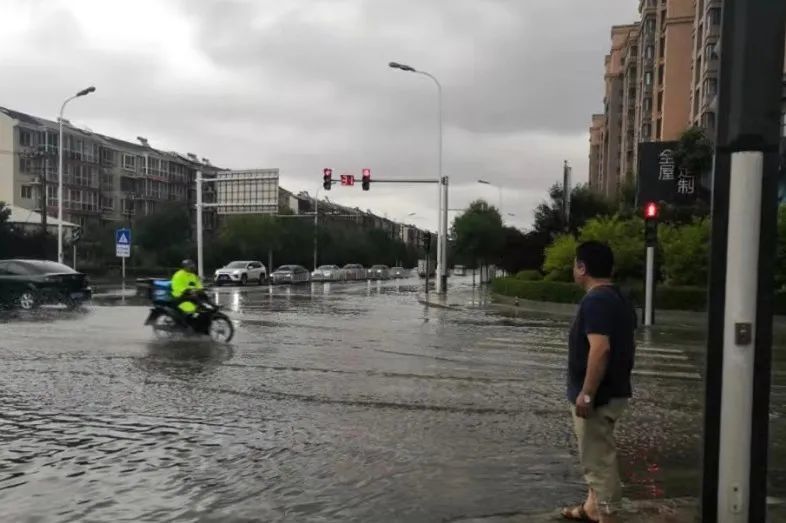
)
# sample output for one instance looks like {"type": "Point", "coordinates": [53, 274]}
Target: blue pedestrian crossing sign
{"type": "Point", "coordinates": [123, 243]}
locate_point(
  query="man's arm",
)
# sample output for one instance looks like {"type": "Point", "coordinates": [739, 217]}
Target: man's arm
{"type": "Point", "coordinates": [597, 361]}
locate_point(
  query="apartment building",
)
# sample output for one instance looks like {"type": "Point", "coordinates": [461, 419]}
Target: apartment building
{"type": "Point", "coordinates": [614, 103]}
{"type": "Point", "coordinates": [105, 179]}
{"type": "Point", "coordinates": [705, 51]}
{"type": "Point", "coordinates": [630, 91]}
{"type": "Point", "coordinates": [647, 88]}
{"type": "Point", "coordinates": [596, 152]}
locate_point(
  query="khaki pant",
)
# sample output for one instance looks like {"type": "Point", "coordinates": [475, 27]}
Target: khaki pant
{"type": "Point", "coordinates": [598, 452]}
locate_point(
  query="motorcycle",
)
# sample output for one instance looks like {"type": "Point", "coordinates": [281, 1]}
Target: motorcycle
{"type": "Point", "coordinates": [169, 322]}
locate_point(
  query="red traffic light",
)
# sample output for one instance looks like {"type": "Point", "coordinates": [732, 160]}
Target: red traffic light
{"type": "Point", "coordinates": [327, 172]}
{"type": "Point", "coordinates": [366, 182]}
{"type": "Point", "coordinates": [367, 173]}
{"type": "Point", "coordinates": [327, 178]}
{"type": "Point", "coordinates": [651, 211]}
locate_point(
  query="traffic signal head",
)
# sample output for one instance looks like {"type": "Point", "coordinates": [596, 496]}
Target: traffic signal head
{"type": "Point", "coordinates": [651, 211]}
{"type": "Point", "coordinates": [366, 182]}
{"type": "Point", "coordinates": [327, 178]}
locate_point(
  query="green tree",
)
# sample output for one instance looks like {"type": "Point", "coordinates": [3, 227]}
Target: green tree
{"type": "Point", "coordinates": [685, 252]}
{"type": "Point", "coordinates": [694, 151]}
{"type": "Point", "coordinates": [585, 204]}
{"type": "Point", "coordinates": [558, 264]}
{"type": "Point", "coordinates": [164, 237]}
{"type": "Point", "coordinates": [626, 239]}
{"type": "Point", "coordinates": [479, 235]}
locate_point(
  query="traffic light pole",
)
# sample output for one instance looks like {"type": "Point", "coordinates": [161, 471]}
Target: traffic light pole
{"type": "Point", "coordinates": [739, 341]}
{"type": "Point", "coordinates": [649, 287]}
{"type": "Point", "coordinates": [442, 221]}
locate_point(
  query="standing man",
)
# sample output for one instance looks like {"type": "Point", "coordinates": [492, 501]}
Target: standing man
{"type": "Point", "coordinates": [600, 360]}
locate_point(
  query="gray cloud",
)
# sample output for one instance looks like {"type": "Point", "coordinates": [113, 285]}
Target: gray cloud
{"type": "Point", "coordinates": [304, 84]}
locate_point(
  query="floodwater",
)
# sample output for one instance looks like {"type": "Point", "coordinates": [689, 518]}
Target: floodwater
{"type": "Point", "coordinates": [335, 402]}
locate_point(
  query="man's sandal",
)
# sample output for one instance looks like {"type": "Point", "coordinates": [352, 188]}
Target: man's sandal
{"type": "Point", "coordinates": [577, 513]}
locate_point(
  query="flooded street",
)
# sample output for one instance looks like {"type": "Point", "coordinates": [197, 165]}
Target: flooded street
{"type": "Point", "coordinates": [335, 402]}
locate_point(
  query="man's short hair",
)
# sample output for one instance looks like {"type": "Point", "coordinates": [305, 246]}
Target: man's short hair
{"type": "Point", "coordinates": [596, 257]}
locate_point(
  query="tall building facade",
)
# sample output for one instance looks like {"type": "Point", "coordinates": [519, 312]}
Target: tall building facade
{"type": "Point", "coordinates": [596, 152]}
{"type": "Point", "coordinates": [105, 179]}
{"type": "Point", "coordinates": [615, 105]}
{"type": "Point", "coordinates": [706, 59]}
{"type": "Point", "coordinates": [647, 87]}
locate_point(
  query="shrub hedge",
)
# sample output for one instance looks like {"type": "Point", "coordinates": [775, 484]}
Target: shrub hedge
{"type": "Point", "coordinates": [529, 275]}
{"type": "Point", "coordinates": [666, 297]}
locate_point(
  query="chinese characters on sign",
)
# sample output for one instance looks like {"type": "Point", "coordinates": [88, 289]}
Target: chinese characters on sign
{"type": "Point", "coordinates": [686, 183]}
{"type": "Point", "coordinates": [666, 165]}
{"type": "Point", "coordinates": [662, 179]}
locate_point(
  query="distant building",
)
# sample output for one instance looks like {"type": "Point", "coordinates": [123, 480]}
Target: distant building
{"type": "Point", "coordinates": [596, 152]}
{"type": "Point", "coordinates": [105, 180]}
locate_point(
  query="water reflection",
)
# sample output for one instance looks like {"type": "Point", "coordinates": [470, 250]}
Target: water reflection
{"type": "Point", "coordinates": [184, 359]}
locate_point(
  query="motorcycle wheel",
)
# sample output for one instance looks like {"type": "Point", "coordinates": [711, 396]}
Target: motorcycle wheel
{"type": "Point", "coordinates": [221, 329]}
{"type": "Point", "coordinates": [165, 327]}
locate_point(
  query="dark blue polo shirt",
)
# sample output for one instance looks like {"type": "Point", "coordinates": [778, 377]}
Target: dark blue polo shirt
{"type": "Point", "coordinates": [603, 310]}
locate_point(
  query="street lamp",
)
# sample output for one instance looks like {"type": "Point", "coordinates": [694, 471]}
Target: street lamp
{"type": "Point", "coordinates": [83, 92]}
{"type": "Point", "coordinates": [499, 188]}
{"type": "Point", "coordinates": [442, 244]}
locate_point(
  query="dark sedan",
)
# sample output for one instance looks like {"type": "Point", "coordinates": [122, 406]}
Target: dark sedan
{"type": "Point", "coordinates": [26, 284]}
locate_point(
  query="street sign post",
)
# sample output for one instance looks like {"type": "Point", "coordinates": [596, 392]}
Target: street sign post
{"type": "Point", "coordinates": [123, 251]}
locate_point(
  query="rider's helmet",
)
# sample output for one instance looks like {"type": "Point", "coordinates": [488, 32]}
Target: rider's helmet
{"type": "Point", "coordinates": [188, 264]}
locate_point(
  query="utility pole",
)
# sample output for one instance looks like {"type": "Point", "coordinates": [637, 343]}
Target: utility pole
{"type": "Point", "coordinates": [566, 189]}
{"type": "Point", "coordinates": [744, 207]}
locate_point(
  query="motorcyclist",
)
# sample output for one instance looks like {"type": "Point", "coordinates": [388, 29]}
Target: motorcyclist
{"type": "Point", "coordinates": [188, 291]}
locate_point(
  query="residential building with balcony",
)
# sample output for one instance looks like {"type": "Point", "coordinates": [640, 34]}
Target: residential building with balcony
{"type": "Point", "coordinates": [596, 152]}
{"type": "Point", "coordinates": [105, 179]}
{"type": "Point", "coordinates": [705, 50]}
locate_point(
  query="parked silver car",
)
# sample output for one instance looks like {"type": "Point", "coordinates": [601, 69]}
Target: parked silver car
{"type": "Point", "coordinates": [379, 272]}
{"type": "Point", "coordinates": [327, 273]}
{"type": "Point", "coordinates": [290, 274]}
{"type": "Point", "coordinates": [241, 272]}
{"type": "Point", "coordinates": [354, 271]}
{"type": "Point", "coordinates": [399, 272]}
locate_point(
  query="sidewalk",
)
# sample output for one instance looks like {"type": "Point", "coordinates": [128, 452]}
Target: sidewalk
{"type": "Point", "coordinates": [675, 510]}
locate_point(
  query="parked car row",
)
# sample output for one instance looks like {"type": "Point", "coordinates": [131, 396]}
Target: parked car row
{"type": "Point", "coordinates": [255, 272]}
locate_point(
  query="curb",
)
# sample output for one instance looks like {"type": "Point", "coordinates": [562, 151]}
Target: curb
{"type": "Point", "coordinates": [430, 303]}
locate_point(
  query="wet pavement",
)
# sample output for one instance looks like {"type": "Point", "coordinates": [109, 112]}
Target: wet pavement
{"type": "Point", "coordinates": [335, 402]}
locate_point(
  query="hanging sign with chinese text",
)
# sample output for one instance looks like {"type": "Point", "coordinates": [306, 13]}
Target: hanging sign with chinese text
{"type": "Point", "coordinates": [661, 179]}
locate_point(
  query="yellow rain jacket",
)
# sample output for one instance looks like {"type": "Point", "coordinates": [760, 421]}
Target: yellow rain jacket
{"type": "Point", "coordinates": [181, 282]}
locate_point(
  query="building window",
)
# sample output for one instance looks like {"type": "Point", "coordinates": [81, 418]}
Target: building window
{"type": "Point", "coordinates": [660, 102]}
{"type": "Point", "coordinates": [649, 52]}
{"type": "Point", "coordinates": [129, 162]}
{"type": "Point", "coordinates": [649, 25]}
{"type": "Point", "coordinates": [25, 138]}
{"type": "Point", "coordinates": [714, 15]}
{"type": "Point", "coordinates": [696, 103]}
{"type": "Point", "coordinates": [662, 46]}
{"type": "Point", "coordinates": [648, 78]}
{"type": "Point", "coordinates": [646, 129]}
{"type": "Point", "coordinates": [711, 86]}
{"type": "Point", "coordinates": [697, 76]}
{"type": "Point", "coordinates": [107, 203]}
{"type": "Point", "coordinates": [709, 121]}
{"type": "Point", "coordinates": [710, 53]}
{"type": "Point", "coordinates": [107, 157]}
{"type": "Point", "coordinates": [27, 192]}
{"type": "Point", "coordinates": [660, 75]}
{"type": "Point", "coordinates": [658, 128]}
{"type": "Point", "coordinates": [647, 105]}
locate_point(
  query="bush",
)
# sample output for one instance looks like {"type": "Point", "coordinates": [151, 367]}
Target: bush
{"type": "Point", "coordinates": [529, 275]}
{"type": "Point", "coordinates": [558, 265]}
{"type": "Point", "coordinates": [553, 291]}
{"type": "Point", "coordinates": [626, 239]}
{"type": "Point", "coordinates": [686, 250]}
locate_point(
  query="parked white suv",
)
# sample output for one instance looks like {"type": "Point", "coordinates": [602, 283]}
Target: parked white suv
{"type": "Point", "coordinates": [241, 272]}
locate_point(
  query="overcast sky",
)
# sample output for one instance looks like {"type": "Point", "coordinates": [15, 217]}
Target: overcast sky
{"type": "Point", "coordinates": [304, 84]}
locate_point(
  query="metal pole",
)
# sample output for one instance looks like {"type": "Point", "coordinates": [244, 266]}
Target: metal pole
{"type": "Point", "coordinates": [316, 227]}
{"type": "Point", "coordinates": [742, 261]}
{"type": "Point", "coordinates": [444, 235]}
{"type": "Point", "coordinates": [123, 276]}
{"type": "Point", "coordinates": [200, 266]}
{"type": "Point", "coordinates": [744, 217]}
{"type": "Point", "coordinates": [74, 265]}
{"type": "Point", "coordinates": [649, 286]}
{"type": "Point", "coordinates": [60, 187]}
